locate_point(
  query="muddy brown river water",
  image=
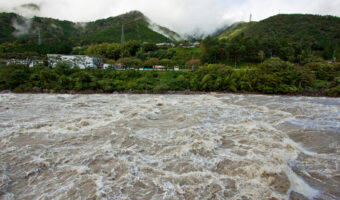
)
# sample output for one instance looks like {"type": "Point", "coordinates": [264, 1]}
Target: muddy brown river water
{"type": "Point", "coordinates": [209, 146]}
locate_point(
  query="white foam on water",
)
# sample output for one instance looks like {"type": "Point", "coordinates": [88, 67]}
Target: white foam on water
{"type": "Point", "coordinates": [300, 186]}
{"type": "Point", "coordinates": [126, 146]}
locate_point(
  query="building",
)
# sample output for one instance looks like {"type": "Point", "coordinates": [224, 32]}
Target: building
{"type": "Point", "coordinates": [145, 69]}
{"type": "Point", "coordinates": [81, 61]}
{"type": "Point", "coordinates": [165, 44]}
{"type": "Point", "coordinates": [36, 63]}
{"type": "Point", "coordinates": [196, 44]}
{"type": "Point", "coordinates": [28, 62]}
{"type": "Point", "coordinates": [114, 66]}
{"type": "Point", "coordinates": [190, 45]}
{"type": "Point", "coordinates": [105, 65]}
{"type": "Point", "coordinates": [160, 68]}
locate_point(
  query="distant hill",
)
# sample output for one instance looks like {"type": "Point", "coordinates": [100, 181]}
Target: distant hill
{"type": "Point", "coordinates": [305, 29]}
{"type": "Point", "coordinates": [136, 27]}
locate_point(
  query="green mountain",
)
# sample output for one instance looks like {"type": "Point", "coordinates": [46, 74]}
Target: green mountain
{"type": "Point", "coordinates": [15, 28]}
{"type": "Point", "coordinates": [22, 30]}
{"type": "Point", "coordinates": [305, 29]}
{"type": "Point", "coordinates": [136, 27]}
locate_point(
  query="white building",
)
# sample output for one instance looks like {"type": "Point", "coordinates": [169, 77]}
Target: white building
{"type": "Point", "coordinates": [28, 62]}
{"type": "Point", "coordinates": [105, 65]}
{"type": "Point", "coordinates": [190, 45]}
{"type": "Point", "coordinates": [81, 61]}
{"type": "Point", "coordinates": [160, 68]}
{"type": "Point", "coordinates": [196, 44]}
{"type": "Point", "coordinates": [165, 44]}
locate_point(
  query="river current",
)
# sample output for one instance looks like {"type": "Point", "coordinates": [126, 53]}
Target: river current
{"type": "Point", "coordinates": [207, 146]}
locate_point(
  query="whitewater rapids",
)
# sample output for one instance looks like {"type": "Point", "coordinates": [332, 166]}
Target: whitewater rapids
{"type": "Point", "coordinates": [208, 146]}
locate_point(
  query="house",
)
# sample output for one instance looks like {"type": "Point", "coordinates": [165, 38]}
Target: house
{"type": "Point", "coordinates": [18, 61]}
{"type": "Point", "coordinates": [28, 62]}
{"type": "Point", "coordinates": [164, 44]}
{"type": "Point", "coordinates": [190, 45]}
{"type": "Point", "coordinates": [36, 63]}
{"type": "Point", "coordinates": [196, 44]}
{"type": "Point", "coordinates": [176, 68]}
{"type": "Point", "coordinates": [114, 66]}
{"type": "Point", "coordinates": [160, 68]}
{"type": "Point", "coordinates": [81, 61]}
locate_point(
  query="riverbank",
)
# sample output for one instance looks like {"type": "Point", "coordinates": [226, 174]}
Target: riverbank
{"type": "Point", "coordinates": [274, 77]}
{"type": "Point", "coordinates": [169, 92]}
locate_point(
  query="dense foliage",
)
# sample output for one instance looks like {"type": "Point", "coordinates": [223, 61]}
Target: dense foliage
{"type": "Point", "coordinates": [290, 37]}
{"type": "Point", "coordinates": [133, 50]}
{"type": "Point", "coordinates": [274, 76]}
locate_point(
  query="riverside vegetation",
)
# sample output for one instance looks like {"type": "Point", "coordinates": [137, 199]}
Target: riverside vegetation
{"type": "Point", "coordinates": [284, 54]}
{"type": "Point", "coordinates": [274, 76]}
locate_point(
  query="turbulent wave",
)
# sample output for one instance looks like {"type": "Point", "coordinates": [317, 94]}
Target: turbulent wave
{"type": "Point", "coordinates": [213, 146]}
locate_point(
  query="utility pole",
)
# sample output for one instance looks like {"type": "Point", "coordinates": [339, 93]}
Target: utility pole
{"type": "Point", "coordinates": [192, 60]}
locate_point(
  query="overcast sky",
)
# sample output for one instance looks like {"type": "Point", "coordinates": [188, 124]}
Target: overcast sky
{"type": "Point", "coordinates": [183, 16]}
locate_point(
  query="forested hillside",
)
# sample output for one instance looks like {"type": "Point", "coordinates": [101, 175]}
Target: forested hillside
{"type": "Point", "coordinates": [136, 27]}
{"type": "Point", "coordinates": [288, 35]}
{"type": "Point", "coordinates": [307, 29]}
{"type": "Point", "coordinates": [20, 35]}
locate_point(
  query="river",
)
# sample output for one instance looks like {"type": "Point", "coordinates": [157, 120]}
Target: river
{"type": "Point", "coordinates": [207, 146]}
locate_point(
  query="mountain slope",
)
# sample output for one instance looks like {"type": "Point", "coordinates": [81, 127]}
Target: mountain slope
{"type": "Point", "coordinates": [6, 29]}
{"type": "Point", "coordinates": [305, 29]}
{"type": "Point", "coordinates": [136, 27]}
{"type": "Point", "coordinates": [233, 30]}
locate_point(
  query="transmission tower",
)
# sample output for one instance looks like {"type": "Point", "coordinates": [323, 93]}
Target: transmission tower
{"type": "Point", "coordinates": [39, 37]}
{"type": "Point", "coordinates": [123, 36]}
{"type": "Point", "coordinates": [250, 18]}
{"type": "Point", "coordinates": [138, 34]}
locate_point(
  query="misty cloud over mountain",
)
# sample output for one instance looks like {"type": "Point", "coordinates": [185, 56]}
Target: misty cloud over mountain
{"type": "Point", "coordinates": [184, 16]}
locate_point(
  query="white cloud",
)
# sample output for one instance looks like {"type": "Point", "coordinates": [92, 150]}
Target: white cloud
{"type": "Point", "coordinates": [183, 16]}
